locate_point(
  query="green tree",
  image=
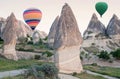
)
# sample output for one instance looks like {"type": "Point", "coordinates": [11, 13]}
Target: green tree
{"type": "Point", "coordinates": [116, 54]}
{"type": "Point", "coordinates": [104, 55]}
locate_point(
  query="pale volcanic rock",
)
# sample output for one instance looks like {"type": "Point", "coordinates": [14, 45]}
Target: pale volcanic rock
{"type": "Point", "coordinates": [10, 37]}
{"type": "Point", "coordinates": [67, 43]}
{"type": "Point", "coordinates": [51, 35]}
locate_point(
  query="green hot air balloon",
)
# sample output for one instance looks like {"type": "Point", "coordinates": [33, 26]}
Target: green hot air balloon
{"type": "Point", "coordinates": [101, 7]}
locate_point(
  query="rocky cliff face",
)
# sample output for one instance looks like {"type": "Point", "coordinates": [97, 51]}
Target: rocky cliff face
{"type": "Point", "coordinates": [94, 27]}
{"type": "Point", "coordinates": [110, 36]}
{"type": "Point", "coordinates": [67, 42]}
{"type": "Point", "coordinates": [113, 27]}
{"type": "Point", "coordinates": [51, 35]}
{"type": "Point", "coordinates": [10, 37]}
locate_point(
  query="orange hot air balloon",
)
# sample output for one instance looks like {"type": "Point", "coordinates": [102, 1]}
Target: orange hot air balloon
{"type": "Point", "coordinates": [32, 17]}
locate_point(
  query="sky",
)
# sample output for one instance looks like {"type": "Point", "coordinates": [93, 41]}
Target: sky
{"type": "Point", "coordinates": [82, 9]}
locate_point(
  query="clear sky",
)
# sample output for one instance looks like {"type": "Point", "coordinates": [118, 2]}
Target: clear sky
{"type": "Point", "coordinates": [83, 10]}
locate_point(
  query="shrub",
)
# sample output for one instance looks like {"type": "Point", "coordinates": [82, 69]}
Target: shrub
{"type": "Point", "coordinates": [74, 74]}
{"type": "Point", "coordinates": [45, 71]}
{"type": "Point", "coordinates": [1, 41]}
{"type": "Point", "coordinates": [30, 50]}
{"type": "Point", "coordinates": [30, 42]}
{"type": "Point", "coordinates": [41, 41]}
{"type": "Point", "coordinates": [116, 54]}
{"type": "Point", "coordinates": [50, 70]}
{"type": "Point", "coordinates": [49, 54]}
{"type": "Point", "coordinates": [110, 61]}
{"type": "Point", "coordinates": [41, 75]}
{"type": "Point", "coordinates": [104, 55]}
{"type": "Point", "coordinates": [42, 46]}
{"type": "Point", "coordinates": [93, 44]}
{"type": "Point", "coordinates": [81, 57]}
{"type": "Point", "coordinates": [89, 32]}
{"type": "Point", "coordinates": [22, 49]}
{"type": "Point", "coordinates": [82, 52]}
{"type": "Point", "coordinates": [37, 57]}
{"type": "Point", "coordinates": [94, 64]}
{"type": "Point", "coordinates": [45, 38]}
{"type": "Point", "coordinates": [86, 55]}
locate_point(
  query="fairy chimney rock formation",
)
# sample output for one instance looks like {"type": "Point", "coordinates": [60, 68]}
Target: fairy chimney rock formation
{"type": "Point", "coordinates": [9, 37]}
{"type": "Point", "coordinates": [67, 43]}
{"type": "Point", "coordinates": [52, 32]}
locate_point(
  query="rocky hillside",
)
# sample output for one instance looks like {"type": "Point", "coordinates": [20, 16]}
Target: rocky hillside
{"type": "Point", "coordinates": [113, 27]}
{"type": "Point", "coordinates": [97, 38]}
{"type": "Point", "coordinates": [95, 27]}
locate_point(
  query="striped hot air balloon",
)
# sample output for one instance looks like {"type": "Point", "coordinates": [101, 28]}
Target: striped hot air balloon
{"type": "Point", "coordinates": [32, 17]}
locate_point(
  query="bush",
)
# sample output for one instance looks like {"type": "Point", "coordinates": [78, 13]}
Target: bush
{"type": "Point", "coordinates": [49, 54]}
{"type": "Point", "coordinates": [41, 75]}
{"type": "Point", "coordinates": [50, 70]}
{"type": "Point", "coordinates": [81, 57]}
{"type": "Point", "coordinates": [104, 55]}
{"type": "Point", "coordinates": [45, 71]}
{"type": "Point", "coordinates": [42, 46]}
{"type": "Point", "coordinates": [41, 41]}
{"type": "Point", "coordinates": [93, 44]}
{"type": "Point", "coordinates": [110, 61]}
{"type": "Point", "coordinates": [22, 49]}
{"type": "Point", "coordinates": [1, 41]}
{"type": "Point", "coordinates": [116, 54]}
{"type": "Point", "coordinates": [94, 64]}
{"type": "Point", "coordinates": [89, 32]}
{"type": "Point", "coordinates": [37, 57]}
{"type": "Point", "coordinates": [30, 43]}
{"type": "Point", "coordinates": [45, 38]}
{"type": "Point", "coordinates": [74, 74]}
{"type": "Point", "coordinates": [82, 53]}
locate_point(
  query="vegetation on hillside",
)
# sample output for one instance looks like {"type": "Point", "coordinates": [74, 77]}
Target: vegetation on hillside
{"type": "Point", "coordinates": [91, 49]}
{"type": "Point", "coordinates": [104, 55]}
{"type": "Point", "coordinates": [116, 54]}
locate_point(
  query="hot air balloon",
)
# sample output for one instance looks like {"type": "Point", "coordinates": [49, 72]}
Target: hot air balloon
{"type": "Point", "coordinates": [32, 17]}
{"type": "Point", "coordinates": [101, 7]}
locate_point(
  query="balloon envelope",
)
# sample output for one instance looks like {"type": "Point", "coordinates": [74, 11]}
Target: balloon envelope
{"type": "Point", "coordinates": [101, 7]}
{"type": "Point", "coordinates": [32, 17]}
